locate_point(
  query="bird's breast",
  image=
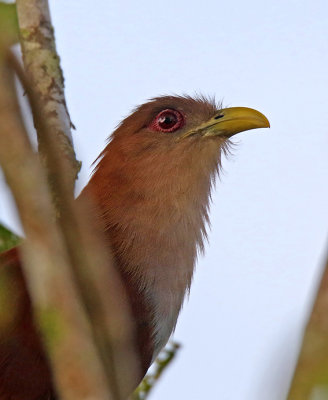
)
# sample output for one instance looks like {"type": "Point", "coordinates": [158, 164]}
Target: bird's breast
{"type": "Point", "coordinates": [154, 228]}
{"type": "Point", "coordinates": [167, 305]}
{"type": "Point", "coordinates": [157, 265]}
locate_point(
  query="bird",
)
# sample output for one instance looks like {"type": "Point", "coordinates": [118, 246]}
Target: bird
{"type": "Point", "coordinates": [151, 190]}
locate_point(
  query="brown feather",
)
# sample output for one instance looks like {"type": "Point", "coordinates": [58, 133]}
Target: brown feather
{"type": "Point", "coordinates": [151, 193]}
{"type": "Point", "coordinates": [24, 370]}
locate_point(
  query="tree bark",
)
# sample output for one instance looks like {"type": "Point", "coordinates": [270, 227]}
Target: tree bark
{"type": "Point", "coordinates": [42, 65]}
{"type": "Point", "coordinates": [96, 287]}
{"type": "Point", "coordinates": [63, 322]}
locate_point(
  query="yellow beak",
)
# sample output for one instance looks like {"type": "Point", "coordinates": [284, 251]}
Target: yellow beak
{"type": "Point", "coordinates": [230, 121]}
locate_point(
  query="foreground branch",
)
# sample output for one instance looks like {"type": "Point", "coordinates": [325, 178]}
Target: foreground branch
{"type": "Point", "coordinates": [95, 279]}
{"type": "Point", "coordinates": [310, 380]}
{"type": "Point", "coordinates": [100, 288]}
{"type": "Point", "coordinates": [98, 283]}
{"type": "Point", "coordinates": [63, 322]}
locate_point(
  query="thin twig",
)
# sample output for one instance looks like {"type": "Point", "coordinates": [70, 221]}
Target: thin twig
{"type": "Point", "coordinates": [160, 365]}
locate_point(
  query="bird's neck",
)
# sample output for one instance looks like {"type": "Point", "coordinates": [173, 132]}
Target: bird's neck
{"type": "Point", "coordinates": [155, 224]}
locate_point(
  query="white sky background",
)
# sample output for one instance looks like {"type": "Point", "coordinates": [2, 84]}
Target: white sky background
{"type": "Point", "coordinates": [242, 326]}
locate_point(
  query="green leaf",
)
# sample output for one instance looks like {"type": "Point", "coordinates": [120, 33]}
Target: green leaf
{"type": "Point", "coordinates": [7, 239]}
{"type": "Point", "coordinates": [9, 32]}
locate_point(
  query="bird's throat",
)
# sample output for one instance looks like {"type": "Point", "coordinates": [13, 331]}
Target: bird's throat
{"type": "Point", "coordinates": [155, 227]}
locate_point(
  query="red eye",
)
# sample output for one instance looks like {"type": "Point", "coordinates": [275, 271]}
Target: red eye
{"type": "Point", "coordinates": [167, 121]}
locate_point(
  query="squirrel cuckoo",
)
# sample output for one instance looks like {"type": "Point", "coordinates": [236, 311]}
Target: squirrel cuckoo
{"type": "Point", "coordinates": [151, 187]}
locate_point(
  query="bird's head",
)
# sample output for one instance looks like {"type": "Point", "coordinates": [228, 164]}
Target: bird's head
{"type": "Point", "coordinates": [172, 140]}
{"type": "Point", "coordinates": [161, 162]}
{"type": "Point", "coordinates": [173, 118]}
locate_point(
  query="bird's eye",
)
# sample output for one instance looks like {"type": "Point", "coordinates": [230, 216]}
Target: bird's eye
{"type": "Point", "coordinates": [168, 120]}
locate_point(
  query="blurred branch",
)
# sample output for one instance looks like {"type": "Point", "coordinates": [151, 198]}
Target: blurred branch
{"type": "Point", "coordinates": [98, 283]}
{"type": "Point", "coordinates": [76, 259]}
{"type": "Point", "coordinates": [64, 325]}
{"type": "Point", "coordinates": [310, 380]}
{"type": "Point", "coordinates": [161, 363]}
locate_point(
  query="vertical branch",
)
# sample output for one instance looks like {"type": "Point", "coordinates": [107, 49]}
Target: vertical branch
{"type": "Point", "coordinates": [42, 65]}
{"type": "Point", "coordinates": [100, 289]}
{"type": "Point", "coordinates": [97, 280]}
{"type": "Point", "coordinates": [64, 325]}
{"type": "Point", "coordinates": [311, 375]}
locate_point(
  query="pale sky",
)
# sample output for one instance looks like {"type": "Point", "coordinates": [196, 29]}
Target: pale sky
{"type": "Point", "coordinates": [242, 325]}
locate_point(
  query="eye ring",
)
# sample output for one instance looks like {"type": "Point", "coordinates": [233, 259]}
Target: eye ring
{"type": "Point", "coordinates": [168, 120]}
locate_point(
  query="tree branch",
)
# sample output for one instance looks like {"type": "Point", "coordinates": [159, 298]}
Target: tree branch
{"type": "Point", "coordinates": [100, 289]}
{"type": "Point", "coordinates": [95, 279]}
{"type": "Point", "coordinates": [311, 374]}
{"type": "Point", "coordinates": [42, 65]}
{"type": "Point", "coordinates": [98, 283]}
{"type": "Point", "coordinates": [63, 322]}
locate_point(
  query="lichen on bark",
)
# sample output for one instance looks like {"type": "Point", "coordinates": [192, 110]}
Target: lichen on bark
{"type": "Point", "coordinates": [42, 65]}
